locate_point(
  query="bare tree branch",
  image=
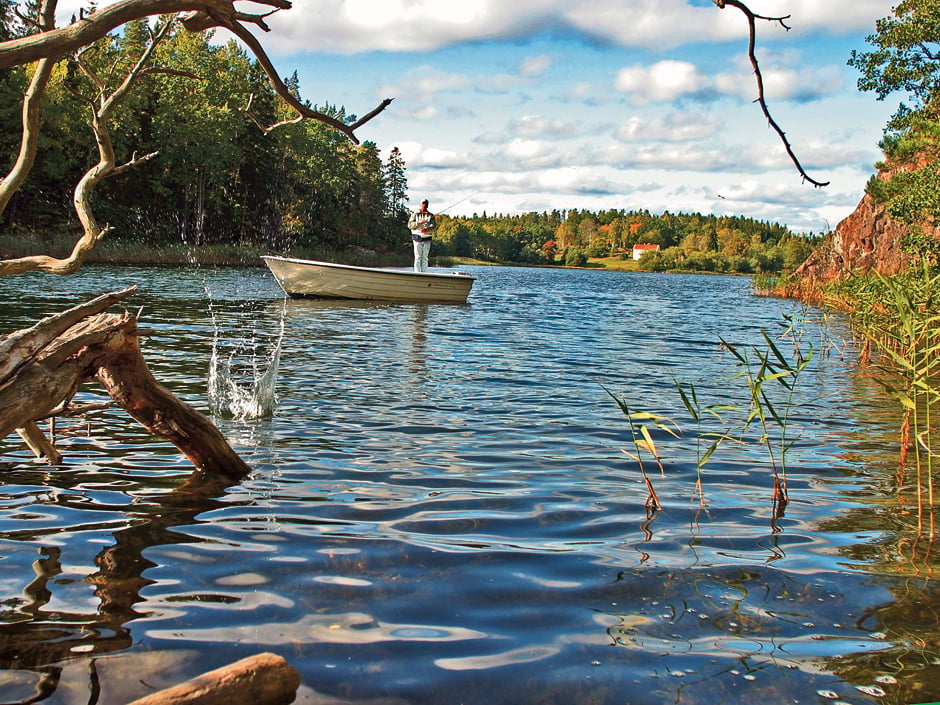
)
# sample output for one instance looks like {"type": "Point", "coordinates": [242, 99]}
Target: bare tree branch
{"type": "Point", "coordinates": [284, 92]}
{"type": "Point", "coordinates": [752, 40]}
{"type": "Point", "coordinates": [30, 135]}
{"type": "Point", "coordinates": [56, 43]}
{"type": "Point", "coordinates": [102, 108]}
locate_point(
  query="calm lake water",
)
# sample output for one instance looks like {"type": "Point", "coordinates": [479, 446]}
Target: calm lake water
{"type": "Point", "coordinates": [441, 509]}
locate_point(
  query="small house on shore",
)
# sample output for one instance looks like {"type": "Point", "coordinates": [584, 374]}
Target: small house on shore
{"type": "Point", "coordinates": [640, 248]}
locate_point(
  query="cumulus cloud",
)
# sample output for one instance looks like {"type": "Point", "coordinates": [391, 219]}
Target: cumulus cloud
{"type": "Point", "coordinates": [425, 83]}
{"type": "Point", "coordinates": [540, 126]}
{"type": "Point", "coordinates": [349, 26]}
{"type": "Point", "coordinates": [674, 127]}
{"type": "Point", "coordinates": [535, 66]}
{"type": "Point", "coordinates": [670, 81]}
{"type": "Point", "coordinates": [785, 78]}
{"type": "Point", "coordinates": [663, 82]}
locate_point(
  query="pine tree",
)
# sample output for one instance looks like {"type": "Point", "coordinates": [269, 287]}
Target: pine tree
{"type": "Point", "coordinates": [396, 185]}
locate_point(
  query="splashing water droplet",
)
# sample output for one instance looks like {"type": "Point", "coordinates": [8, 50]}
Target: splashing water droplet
{"type": "Point", "coordinates": [872, 690]}
{"type": "Point", "coordinates": [247, 390]}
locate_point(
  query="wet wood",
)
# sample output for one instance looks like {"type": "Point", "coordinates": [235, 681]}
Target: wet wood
{"type": "Point", "coordinates": [265, 679]}
{"type": "Point", "coordinates": [38, 443]}
{"type": "Point", "coordinates": [41, 369]}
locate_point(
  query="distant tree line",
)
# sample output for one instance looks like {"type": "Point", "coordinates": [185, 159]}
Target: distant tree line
{"type": "Point", "coordinates": [687, 241]}
{"type": "Point", "coordinates": [219, 176]}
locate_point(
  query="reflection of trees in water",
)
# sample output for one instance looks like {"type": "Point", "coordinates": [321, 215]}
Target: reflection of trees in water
{"type": "Point", "coordinates": [33, 638]}
{"type": "Point", "coordinates": [904, 562]}
{"type": "Point", "coordinates": [911, 664]}
{"type": "Point", "coordinates": [721, 629]}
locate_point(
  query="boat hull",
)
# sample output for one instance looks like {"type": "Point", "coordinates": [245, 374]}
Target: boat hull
{"type": "Point", "coordinates": [302, 277]}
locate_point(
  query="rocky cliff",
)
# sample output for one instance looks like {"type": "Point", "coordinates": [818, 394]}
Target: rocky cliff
{"type": "Point", "coordinates": [867, 240]}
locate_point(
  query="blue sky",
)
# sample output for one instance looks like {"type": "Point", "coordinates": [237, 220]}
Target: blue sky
{"type": "Point", "coordinates": [637, 104]}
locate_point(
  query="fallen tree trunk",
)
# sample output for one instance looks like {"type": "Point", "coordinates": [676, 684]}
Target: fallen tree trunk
{"type": "Point", "coordinates": [265, 679]}
{"type": "Point", "coordinates": [41, 369]}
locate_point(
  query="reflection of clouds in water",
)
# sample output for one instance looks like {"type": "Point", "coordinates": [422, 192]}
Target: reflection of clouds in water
{"type": "Point", "coordinates": [507, 658]}
{"type": "Point", "coordinates": [346, 628]}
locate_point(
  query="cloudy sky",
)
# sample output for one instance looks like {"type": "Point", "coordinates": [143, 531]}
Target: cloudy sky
{"type": "Point", "coordinates": [638, 104]}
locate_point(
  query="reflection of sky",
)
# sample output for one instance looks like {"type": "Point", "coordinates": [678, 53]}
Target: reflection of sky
{"type": "Point", "coordinates": [348, 628]}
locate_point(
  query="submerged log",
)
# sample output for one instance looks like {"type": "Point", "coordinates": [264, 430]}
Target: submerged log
{"type": "Point", "coordinates": [265, 679]}
{"type": "Point", "coordinates": [41, 369]}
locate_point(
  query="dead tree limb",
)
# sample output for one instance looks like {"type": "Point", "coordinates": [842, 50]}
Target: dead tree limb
{"type": "Point", "coordinates": [44, 366]}
{"type": "Point", "coordinates": [283, 91]}
{"type": "Point", "coordinates": [30, 121]}
{"type": "Point", "coordinates": [22, 347]}
{"type": "Point", "coordinates": [57, 43]}
{"type": "Point", "coordinates": [761, 100]}
{"type": "Point", "coordinates": [265, 679]}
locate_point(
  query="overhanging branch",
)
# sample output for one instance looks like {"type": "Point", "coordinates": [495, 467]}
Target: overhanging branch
{"type": "Point", "coordinates": [761, 100]}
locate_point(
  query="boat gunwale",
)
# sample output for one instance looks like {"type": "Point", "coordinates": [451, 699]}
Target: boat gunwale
{"type": "Point", "coordinates": [379, 270]}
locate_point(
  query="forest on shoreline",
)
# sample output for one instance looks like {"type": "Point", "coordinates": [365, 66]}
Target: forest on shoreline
{"type": "Point", "coordinates": [687, 242]}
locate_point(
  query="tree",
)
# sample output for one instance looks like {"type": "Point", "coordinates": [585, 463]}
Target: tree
{"type": "Point", "coordinates": [396, 185]}
{"type": "Point", "coordinates": [906, 59]}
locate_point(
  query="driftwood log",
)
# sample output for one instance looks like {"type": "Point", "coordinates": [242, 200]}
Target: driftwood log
{"type": "Point", "coordinates": [265, 679]}
{"type": "Point", "coordinates": [42, 367]}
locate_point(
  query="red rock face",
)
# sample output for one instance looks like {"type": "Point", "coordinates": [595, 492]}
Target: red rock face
{"type": "Point", "coordinates": [867, 240]}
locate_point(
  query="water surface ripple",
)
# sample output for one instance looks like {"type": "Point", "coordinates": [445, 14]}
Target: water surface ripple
{"type": "Point", "coordinates": [441, 508]}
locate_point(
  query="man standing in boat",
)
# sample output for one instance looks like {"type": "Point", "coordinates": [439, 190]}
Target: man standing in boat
{"type": "Point", "coordinates": [422, 225]}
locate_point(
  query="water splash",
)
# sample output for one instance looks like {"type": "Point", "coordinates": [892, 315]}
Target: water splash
{"type": "Point", "coordinates": [243, 391]}
{"type": "Point", "coordinates": [243, 370]}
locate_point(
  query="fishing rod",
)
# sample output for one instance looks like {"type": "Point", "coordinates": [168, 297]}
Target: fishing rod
{"type": "Point", "coordinates": [457, 203]}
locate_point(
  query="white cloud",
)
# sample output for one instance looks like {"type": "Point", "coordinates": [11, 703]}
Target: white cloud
{"type": "Point", "coordinates": [674, 127]}
{"type": "Point", "coordinates": [663, 82]}
{"type": "Point", "coordinates": [535, 66]}
{"type": "Point", "coordinates": [348, 26]}
{"type": "Point", "coordinates": [785, 77]}
{"type": "Point", "coordinates": [425, 83]}
{"type": "Point", "coordinates": [540, 126]}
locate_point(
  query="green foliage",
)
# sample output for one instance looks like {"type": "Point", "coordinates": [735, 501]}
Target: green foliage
{"type": "Point", "coordinates": [218, 177]}
{"type": "Point", "coordinates": [904, 59]}
{"type": "Point", "coordinates": [904, 56]}
{"type": "Point", "coordinates": [575, 257]}
{"type": "Point", "coordinates": [708, 243]}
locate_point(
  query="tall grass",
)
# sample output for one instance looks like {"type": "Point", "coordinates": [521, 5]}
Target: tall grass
{"type": "Point", "coordinates": [898, 322]}
{"type": "Point", "coordinates": [766, 372]}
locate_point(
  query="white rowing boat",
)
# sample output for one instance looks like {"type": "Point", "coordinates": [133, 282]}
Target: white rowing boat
{"type": "Point", "coordinates": [305, 277]}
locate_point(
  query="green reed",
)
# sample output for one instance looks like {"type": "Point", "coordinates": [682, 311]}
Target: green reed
{"type": "Point", "coordinates": [768, 369]}
{"type": "Point", "coordinates": [765, 371]}
{"type": "Point", "coordinates": [698, 412]}
{"type": "Point", "coordinates": [642, 439]}
{"type": "Point", "coordinates": [897, 319]}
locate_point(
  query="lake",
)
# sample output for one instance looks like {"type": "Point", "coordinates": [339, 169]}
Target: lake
{"type": "Point", "coordinates": [446, 507]}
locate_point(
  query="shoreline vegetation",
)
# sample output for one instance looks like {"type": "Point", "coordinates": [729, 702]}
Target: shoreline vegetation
{"type": "Point", "coordinates": [694, 243]}
{"type": "Point", "coordinates": [181, 254]}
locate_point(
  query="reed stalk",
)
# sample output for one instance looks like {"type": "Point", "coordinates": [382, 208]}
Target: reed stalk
{"type": "Point", "coordinates": [898, 321]}
{"type": "Point", "coordinates": [762, 369]}
{"type": "Point", "coordinates": [643, 441]}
